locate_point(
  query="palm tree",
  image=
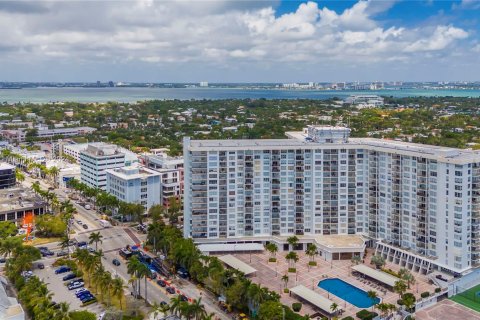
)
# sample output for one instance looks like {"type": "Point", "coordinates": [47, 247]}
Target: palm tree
{"type": "Point", "coordinates": [175, 305]}
{"type": "Point", "coordinates": [53, 172]}
{"type": "Point", "coordinates": [311, 252]}
{"type": "Point", "coordinates": [356, 259]}
{"type": "Point", "coordinates": [373, 296]}
{"type": "Point", "coordinates": [272, 248]}
{"type": "Point", "coordinates": [407, 276]}
{"type": "Point", "coordinates": [378, 261]}
{"type": "Point", "coordinates": [95, 237]}
{"type": "Point", "coordinates": [334, 308]}
{"type": "Point", "coordinates": [400, 287]}
{"type": "Point", "coordinates": [63, 311]}
{"type": "Point", "coordinates": [117, 289]}
{"type": "Point", "coordinates": [383, 308]}
{"type": "Point", "coordinates": [285, 280]}
{"type": "Point", "coordinates": [143, 272]}
{"type": "Point", "coordinates": [255, 296]}
{"type": "Point", "coordinates": [197, 309]}
{"type": "Point", "coordinates": [292, 241]}
{"type": "Point", "coordinates": [292, 259]}
{"type": "Point", "coordinates": [133, 265]}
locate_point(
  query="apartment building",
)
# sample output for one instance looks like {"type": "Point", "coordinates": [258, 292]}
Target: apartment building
{"type": "Point", "coordinates": [74, 150]}
{"type": "Point", "coordinates": [418, 204]}
{"type": "Point", "coordinates": [95, 160]}
{"type": "Point", "coordinates": [171, 171]}
{"type": "Point", "coordinates": [134, 184]}
{"type": "Point", "coordinates": [7, 175]}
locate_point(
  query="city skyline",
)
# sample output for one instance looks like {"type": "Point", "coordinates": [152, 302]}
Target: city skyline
{"type": "Point", "coordinates": [243, 41]}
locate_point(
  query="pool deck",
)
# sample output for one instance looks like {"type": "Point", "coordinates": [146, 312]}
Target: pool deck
{"type": "Point", "coordinates": [270, 274]}
{"type": "Point", "coordinates": [447, 309]}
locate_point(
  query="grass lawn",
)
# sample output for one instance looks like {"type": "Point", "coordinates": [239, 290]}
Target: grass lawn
{"type": "Point", "coordinates": [40, 241]}
{"type": "Point", "coordinates": [469, 298]}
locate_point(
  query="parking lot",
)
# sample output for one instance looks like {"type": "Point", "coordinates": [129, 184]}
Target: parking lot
{"type": "Point", "coordinates": [57, 287]}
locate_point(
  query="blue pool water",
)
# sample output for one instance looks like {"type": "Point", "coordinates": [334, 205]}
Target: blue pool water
{"type": "Point", "coordinates": [347, 292]}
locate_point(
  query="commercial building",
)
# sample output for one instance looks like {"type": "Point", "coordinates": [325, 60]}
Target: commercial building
{"type": "Point", "coordinates": [134, 184]}
{"type": "Point", "coordinates": [17, 201]}
{"type": "Point", "coordinates": [418, 204]}
{"type": "Point", "coordinates": [43, 132]}
{"type": "Point", "coordinates": [74, 150]}
{"type": "Point", "coordinates": [7, 176]}
{"type": "Point", "coordinates": [171, 174]}
{"type": "Point", "coordinates": [95, 160]}
{"type": "Point", "coordinates": [365, 100]}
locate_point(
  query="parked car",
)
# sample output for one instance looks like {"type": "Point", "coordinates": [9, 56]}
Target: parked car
{"type": "Point", "coordinates": [62, 269]}
{"type": "Point", "coordinates": [116, 262]}
{"type": "Point", "coordinates": [69, 276]}
{"type": "Point", "coordinates": [162, 283]}
{"type": "Point", "coordinates": [62, 253]}
{"type": "Point", "coordinates": [80, 291]}
{"type": "Point", "coordinates": [183, 273]}
{"type": "Point", "coordinates": [79, 221]}
{"type": "Point", "coordinates": [3, 260]}
{"type": "Point", "coordinates": [40, 266]}
{"type": "Point", "coordinates": [75, 285]}
{"type": "Point", "coordinates": [88, 299]}
{"type": "Point", "coordinates": [171, 290]}
{"type": "Point", "coordinates": [85, 226]}
{"type": "Point", "coordinates": [183, 297]}
{"type": "Point", "coordinates": [163, 303]}
{"type": "Point", "coordinates": [84, 294]}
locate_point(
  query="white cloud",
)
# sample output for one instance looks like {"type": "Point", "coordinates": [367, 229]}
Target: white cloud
{"type": "Point", "coordinates": [220, 33]}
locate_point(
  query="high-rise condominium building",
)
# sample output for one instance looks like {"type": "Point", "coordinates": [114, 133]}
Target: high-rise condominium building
{"type": "Point", "coordinates": [420, 204]}
{"type": "Point", "coordinates": [95, 160]}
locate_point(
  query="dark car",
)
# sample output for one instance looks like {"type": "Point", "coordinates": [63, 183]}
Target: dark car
{"type": "Point", "coordinates": [84, 295]}
{"type": "Point", "coordinates": [85, 226]}
{"type": "Point", "coordinates": [62, 270]}
{"type": "Point", "coordinates": [183, 297]}
{"type": "Point", "coordinates": [88, 299]}
{"type": "Point", "coordinates": [163, 303]}
{"type": "Point", "coordinates": [171, 290]}
{"type": "Point", "coordinates": [69, 276]}
{"type": "Point", "coordinates": [116, 262]}
{"type": "Point", "coordinates": [162, 283]}
{"type": "Point", "coordinates": [40, 266]}
{"type": "Point", "coordinates": [62, 253]}
{"type": "Point", "coordinates": [3, 260]}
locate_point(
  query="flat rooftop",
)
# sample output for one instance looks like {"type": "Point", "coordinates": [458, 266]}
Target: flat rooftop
{"type": "Point", "coordinates": [133, 172]}
{"type": "Point", "coordinates": [340, 241]}
{"type": "Point", "coordinates": [18, 198]}
{"type": "Point", "coordinates": [298, 140]}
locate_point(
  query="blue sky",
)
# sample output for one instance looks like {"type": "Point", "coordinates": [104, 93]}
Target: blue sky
{"type": "Point", "coordinates": [239, 41]}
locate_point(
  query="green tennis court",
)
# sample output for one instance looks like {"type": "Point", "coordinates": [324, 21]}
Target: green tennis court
{"type": "Point", "coordinates": [469, 298]}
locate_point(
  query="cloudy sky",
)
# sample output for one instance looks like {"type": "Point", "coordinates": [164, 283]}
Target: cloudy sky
{"type": "Point", "coordinates": [239, 41]}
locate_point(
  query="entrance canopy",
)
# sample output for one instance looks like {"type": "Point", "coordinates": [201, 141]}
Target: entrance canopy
{"type": "Point", "coordinates": [314, 298]}
{"type": "Point", "coordinates": [380, 276]}
{"type": "Point", "coordinates": [235, 263]}
{"type": "Point", "coordinates": [230, 247]}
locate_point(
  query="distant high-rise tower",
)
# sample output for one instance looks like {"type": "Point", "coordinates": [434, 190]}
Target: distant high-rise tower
{"type": "Point", "coordinates": [204, 84]}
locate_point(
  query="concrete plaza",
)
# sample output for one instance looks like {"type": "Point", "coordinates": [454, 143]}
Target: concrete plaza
{"type": "Point", "coordinates": [269, 275]}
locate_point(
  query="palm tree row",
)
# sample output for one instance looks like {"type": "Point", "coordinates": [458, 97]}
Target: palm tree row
{"type": "Point", "coordinates": [240, 293]}
{"type": "Point", "coordinates": [101, 279]}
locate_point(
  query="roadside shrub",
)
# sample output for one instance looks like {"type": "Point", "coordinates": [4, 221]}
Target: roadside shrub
{"type": "Point", "coordinates": [312, 263]}
{"type": "Point", "coordinates": [296, 306]}
{"type": "Point", "coordinates": [348, 318]}
{"type": "Point", "coordinates": [425, 294]}
{"type": "Point", "coordinates": [286, 290]}
{"type": "Point", "coordinates": [437, 290]}
{"type": "Point", "coordinates": [272, 260]}
{"type": "Point", "coordinates": [292, 270]}
{"type": "Point", "coordinates": [82, 315]}
{"type": "Point", "coordinates": [366, 315]}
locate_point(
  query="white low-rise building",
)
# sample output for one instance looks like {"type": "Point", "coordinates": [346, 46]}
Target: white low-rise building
{"type": "Point", "coordinates": [134, 184]}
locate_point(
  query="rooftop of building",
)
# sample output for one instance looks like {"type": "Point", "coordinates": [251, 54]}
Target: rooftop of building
{"type": "Point", "coordinates": [18, 198]}
{"type": "Point", "coordinates": [133, 172]}
{"type": "Point", "coordinates": [6, 166]}
{"type": "Point", "coordinates": [9, 306]}
{"type": "Point", "coordinates": [301, 139]}
{"type": "Point", "coordinates": [102, 149]}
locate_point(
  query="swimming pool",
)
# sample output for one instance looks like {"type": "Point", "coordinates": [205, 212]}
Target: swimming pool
{"type": "Point", "coordinates": [347, 292]}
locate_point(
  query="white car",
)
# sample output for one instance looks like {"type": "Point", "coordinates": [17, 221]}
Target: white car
{"type": "Point", "coordinates": [75, 285]}
{"type": "Point", "coordinates": [80, 290]}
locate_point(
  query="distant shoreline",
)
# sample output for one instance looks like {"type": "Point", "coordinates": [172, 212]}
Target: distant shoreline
{"type": "Point", "coordinates": [134, 94]}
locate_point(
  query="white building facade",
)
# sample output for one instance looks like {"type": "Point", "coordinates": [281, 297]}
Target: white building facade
{"type": "Point", "coordinates": [419, 203]}
{"type": "Point", "coordinates": [135, 185]}
{"type": "Point", "coordinates": [171, 175]}
{"type": "Point", "coordinates": [95, 160]}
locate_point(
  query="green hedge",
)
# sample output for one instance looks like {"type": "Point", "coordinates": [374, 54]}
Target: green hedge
{"type": "Point", "coordinates": [366, 315]}
{"type": "Point", "coordinates": [348, 318]}
{"type": "Point", "coordinates": [296, 306]}
{"type": "Point", "coordinates": [425, 294]}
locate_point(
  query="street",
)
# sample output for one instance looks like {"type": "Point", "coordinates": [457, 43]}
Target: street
{"type": "Point", "coordinates": [117, 237]}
